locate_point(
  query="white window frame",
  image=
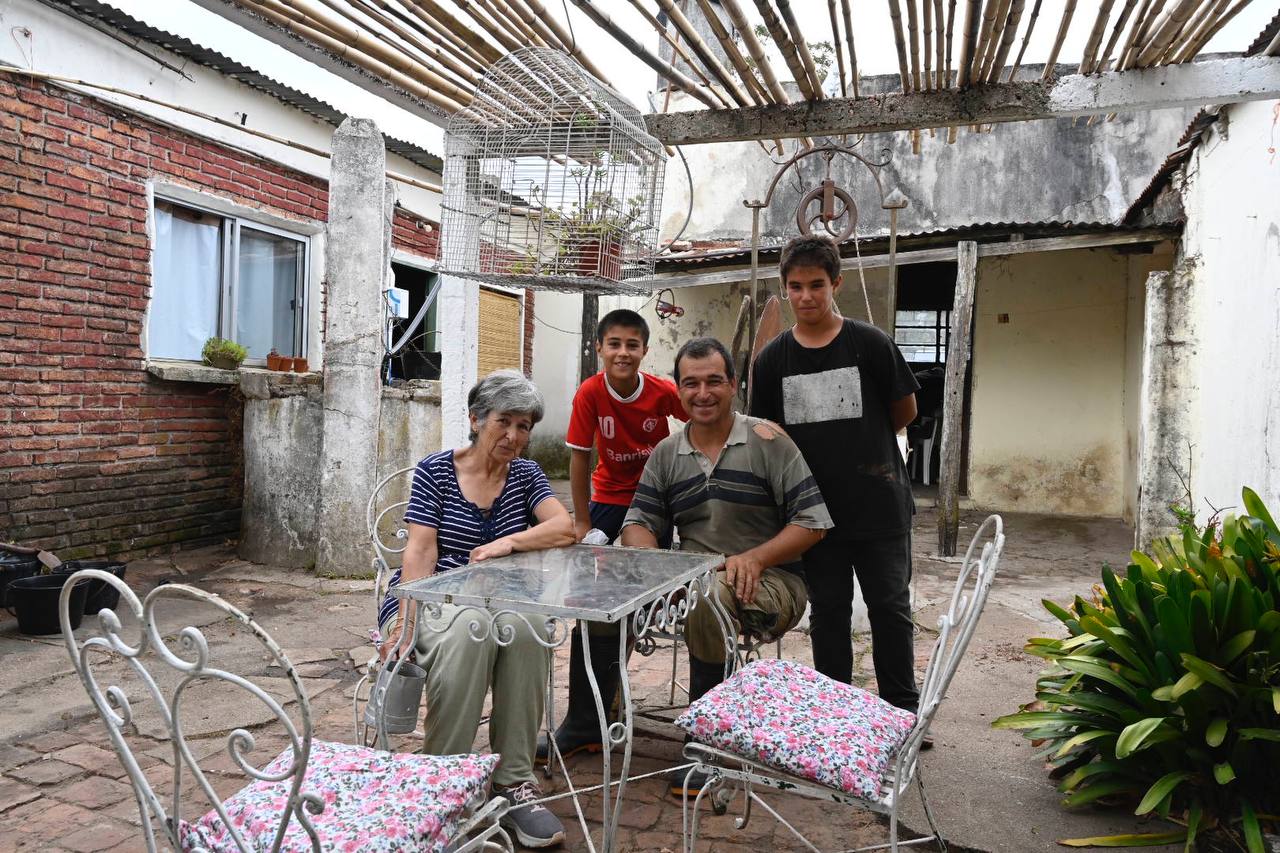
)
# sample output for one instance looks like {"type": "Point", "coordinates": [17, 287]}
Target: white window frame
{"type": "Point", "coordinates": [307, 308]}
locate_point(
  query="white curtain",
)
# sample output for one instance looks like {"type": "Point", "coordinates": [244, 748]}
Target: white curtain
{"type": "Point", "coordinates": [186, 283]}
{"type": "Point", "coordinates": [266, 291]}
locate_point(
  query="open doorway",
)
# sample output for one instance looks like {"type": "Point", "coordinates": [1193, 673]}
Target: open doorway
{"type": "Point", "coordinates": [922, 331]}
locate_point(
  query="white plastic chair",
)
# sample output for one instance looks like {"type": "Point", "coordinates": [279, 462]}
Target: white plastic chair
{"type": "Point", "coordinates": [727, 772]}
{"type": "Point", "coordinates": [237, 824]}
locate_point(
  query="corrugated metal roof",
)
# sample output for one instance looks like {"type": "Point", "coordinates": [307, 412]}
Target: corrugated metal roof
{"type": "Point", "coordinates": [879, 244]}
{"type": "Point", "coordinates": [187, 49]}
{"type": "Point", "coordinates": [1265, 37]}
{"type": "Point", "coordinates": [1187, 143]}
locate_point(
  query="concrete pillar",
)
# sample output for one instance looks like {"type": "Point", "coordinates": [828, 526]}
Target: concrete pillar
{"type": "Point", "coordinates": [1170, 399]}
{"type": "Point", "coordinates": [459, 298]}
{"type": "Point", "coordinates": [357, 260]}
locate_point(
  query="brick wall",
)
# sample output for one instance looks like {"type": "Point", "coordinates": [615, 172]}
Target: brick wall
{"type": "Point", "coordinates": [96, 455]}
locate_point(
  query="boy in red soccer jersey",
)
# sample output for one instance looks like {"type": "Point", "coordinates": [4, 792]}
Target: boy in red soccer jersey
{"type": "Point", "coordinates": [623, 412]}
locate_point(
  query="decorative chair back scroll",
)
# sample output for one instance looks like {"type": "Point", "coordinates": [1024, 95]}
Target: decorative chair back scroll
{"type": "Point", "coordinates": [191, 661]}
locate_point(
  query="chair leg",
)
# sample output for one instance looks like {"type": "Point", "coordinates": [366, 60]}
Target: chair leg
{"type": "Point", "coordinates": [928, 813]}
{"type": "Point", "coordinates": [675, 659]}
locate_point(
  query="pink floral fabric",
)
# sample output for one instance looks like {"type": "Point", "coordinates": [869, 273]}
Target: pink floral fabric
{"type": "Point", "coordinates": [795, 719]}
{"type": "Point", "coordinates": [374, 801]}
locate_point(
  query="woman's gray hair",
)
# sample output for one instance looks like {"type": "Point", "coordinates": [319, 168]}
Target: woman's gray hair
{"type": "Point", "coordinates": [505, 391]}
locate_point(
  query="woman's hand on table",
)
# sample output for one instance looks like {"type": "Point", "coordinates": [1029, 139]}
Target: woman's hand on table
{"type": "Point", "coordinates": [490, 550]}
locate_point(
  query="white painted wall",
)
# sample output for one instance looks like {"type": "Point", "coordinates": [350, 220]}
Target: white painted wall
{"type": "Point", "coordinates": [1232, 240]}
{"type": "Point", "coordinates": [1048, 418]}
{"type": "Point", "coordinates": [555, 357]}
{"type": "Point", "coordinates": [63, 45]}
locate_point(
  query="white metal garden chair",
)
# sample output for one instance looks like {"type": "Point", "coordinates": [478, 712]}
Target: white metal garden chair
{"type": "Point", "coordinates": [437, 802]}
{"type": "Point", "coordinates": [729, 772]}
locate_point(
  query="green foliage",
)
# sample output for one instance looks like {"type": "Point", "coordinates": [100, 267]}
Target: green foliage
{"type": "Point", "coordinates": [223, 353]}
{"type": "Point", "coordinates": [1166, 688]}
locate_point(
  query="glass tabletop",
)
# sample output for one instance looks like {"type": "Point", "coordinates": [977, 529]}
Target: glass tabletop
{"type": "Point", "coordinates": [595, 582]}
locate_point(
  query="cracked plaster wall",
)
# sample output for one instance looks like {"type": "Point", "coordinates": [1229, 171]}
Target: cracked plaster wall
{"type": "Point", "coordinates": [1232, 200]}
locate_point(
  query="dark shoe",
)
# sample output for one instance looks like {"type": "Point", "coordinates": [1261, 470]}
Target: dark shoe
{"type": "Point", "coordinates": [926, 743]}
{"type": "Point", "coordinates": [580, 729]}
{"type": "Point", "coordinates": [686, 781]}
{"type": "Point", "coordinates": [760, 624]}
{"type": "Point", "coordinates": [532, 824]}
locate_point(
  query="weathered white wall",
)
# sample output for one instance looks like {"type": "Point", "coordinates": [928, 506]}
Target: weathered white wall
{"type": "Point", "coordinates": [1047, 429]}
{"type": "Point", "coordinates": [1232, 243]}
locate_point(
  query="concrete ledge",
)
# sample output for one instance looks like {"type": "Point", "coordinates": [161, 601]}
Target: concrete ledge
{"type": "Point", "coordinates": [192, 371]}
{"type": "Point", "coordinates": [413, 389]}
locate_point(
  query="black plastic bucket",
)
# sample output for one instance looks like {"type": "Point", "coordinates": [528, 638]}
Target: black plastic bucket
{"type": "Point", "coordinates": [101, 595]}
{"type": "Point", "coordinates": [35, 599]}
{"type": "Point", "coordinates": [13, 567]}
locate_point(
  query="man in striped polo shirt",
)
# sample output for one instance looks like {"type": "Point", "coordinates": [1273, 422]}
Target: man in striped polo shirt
{"type": "Point", "coordinates": [734, 485]}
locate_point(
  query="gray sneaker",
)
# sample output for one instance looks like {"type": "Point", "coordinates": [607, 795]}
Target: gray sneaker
{"type": "Point", "coordinates": [533, 825]}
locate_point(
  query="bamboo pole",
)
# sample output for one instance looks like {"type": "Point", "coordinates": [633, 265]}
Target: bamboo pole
{"type": "Point", "coordinates": [1201, 39]}
{"type": "Point", "coordinates": [604, 22]}
{"type": "Point", "coordinates": [899, 40]}
{"type": "Point", "coordinates": [1138, 33]}
{"type": "Point", "coordinates": [1166, 31]}
{"type": "Point", "coordinates": [939, 48]}
{"type": "Point", "coordinates": [408, 12]}
{"type": "Point", "coordinates": [913, 42]}
{"type": "Point", "coordinates": [990, 13]}
{"type": "Point", "coordinates": [951, 19]}
{"type": "Point", "coordinates": [754, 89]}
{"type": "Point", "coordinates": [407, 45]}
{"type": "Point", "coordinates": [679, 50]}
{"type": "Point", "coordinates": [847, 14]}
{"type": "Point", "coordinates": [1116, 30]}
{"type": "Point", "coordinates": [490, 28]}
{"type": "Point", "coordinates": [544, 32]}
{"type": "Point", "coordinates": [1088, 61]}
{"type": "Point", "coordinates": [485, 49]}
{"type": "Point", "coordinates": [788, 50]}
{"type": "Point", "coordinates": [994, 39]}
{"type": "Point", "coordinates": [703, 52]}
{"type": "Point", "coordinates": [755, 50]}
{"type": "Point", "coordinates": [502, 12]}
{"type": "Point", "coordinates": [566, 38]}
{"type": "Point", "coordinates": [234, 125]}
{"type": "Point", "coordinates": [1006, 42]}
{"type": "Point", "coordinates": [371, 63]}
{"type": "Point", "coordinates": [835, 40]}
{"type": "Point", "coordinates": [1026, 39]}
{"type": "Point", "coordinates": [453, 59]}
{"type": "Point", "coordinates": [1199, 23]}
{"type": "Point", "coordinates": [1063, 26]}
{"type": "Point", "coordinates": [972, 10]}
{"type": "Point", "coordinates": [926, 43]}
{"type": "Point", "coordinates": [801, 46]}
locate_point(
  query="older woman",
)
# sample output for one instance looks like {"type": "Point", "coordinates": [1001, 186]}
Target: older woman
{"type": "Point", "coordinates": [475, 503]}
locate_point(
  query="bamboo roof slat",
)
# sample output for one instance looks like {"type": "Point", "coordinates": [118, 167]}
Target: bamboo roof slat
{"type": "Point", "coordinates": [783, 40]}
{"type": "Point", "coordinates": [801, 47]}
{"type": "Point", "coordinates": [899, 41]}
{"type": "Point", "coordinates": [1026, 39]}
{"type": "Point", "coordinates": [704, 54]}
{"type": "Point", "coordinates": [755, 90]}
{"type": "Point", "coordinates": [755, 50]}
{"type": "Point", "coordinates": [847, 14]}
{"type": "Point", "coordinates": [839, 45]}
{"type": "Point", "coordinates": [1063, 26]}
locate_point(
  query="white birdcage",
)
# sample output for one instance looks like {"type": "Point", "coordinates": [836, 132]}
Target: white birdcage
{"type": "Point", "coordinates": [551, 181]}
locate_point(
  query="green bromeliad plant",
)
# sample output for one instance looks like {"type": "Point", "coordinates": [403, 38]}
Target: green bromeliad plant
{"type": "Point", "coordinates": [1166, 690]}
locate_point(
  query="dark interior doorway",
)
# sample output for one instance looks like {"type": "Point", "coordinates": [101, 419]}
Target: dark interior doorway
{"type": "Point", "coordinates": [419, 358]}
{"type": "Point", "coordinates": [922, 330]}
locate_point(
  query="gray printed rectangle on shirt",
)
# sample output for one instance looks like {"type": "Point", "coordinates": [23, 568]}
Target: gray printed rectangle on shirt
{"type": "Point", "coordinates": [831, 395]}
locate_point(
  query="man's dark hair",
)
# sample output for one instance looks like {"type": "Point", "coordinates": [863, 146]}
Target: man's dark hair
{"type": "Point", "coordinates": [626, 318]}
{"type": "Point", "coordinates": [701, 348]}
{"type": "Point", "coordinates": [810, 251]}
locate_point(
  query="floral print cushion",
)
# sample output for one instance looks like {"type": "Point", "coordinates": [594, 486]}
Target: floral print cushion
{"type": "Point", "coordinates": [794, 719]}
{"type": "Point", "coordinates": [374, 801]}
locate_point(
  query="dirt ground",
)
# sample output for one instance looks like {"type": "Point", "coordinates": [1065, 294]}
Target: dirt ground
{"type": "Point", "coordinates": [61, 786]}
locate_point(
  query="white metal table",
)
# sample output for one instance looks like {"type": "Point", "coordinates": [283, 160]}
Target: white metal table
{"type": "Point", "coordinates": [642, 590]}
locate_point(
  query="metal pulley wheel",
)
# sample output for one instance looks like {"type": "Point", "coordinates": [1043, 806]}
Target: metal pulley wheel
{"type": "Point", "coordinates": [835, 209]}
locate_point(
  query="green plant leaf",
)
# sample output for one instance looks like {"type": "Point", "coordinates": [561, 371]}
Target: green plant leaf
{"type": "Point", "coordinates": [1098, 790]}
{"type": "Point", "coordinates": [1235, 647]}
{"type": "Point", "coordinates": [1118, 644]}
{"type": "Point", "coordinates": [1161, 789]}
{"type": "Point", "coordinates": [1252, 832]}
{"type": "Point", "coordinates": [1194, 813]}
{"type": "Point", "coordinates": [1185, 684]}
{"type": "Point", "coordinates": [1099, 671]}
{"type": "Point", "coordinates": [1142, 734]}
{"type": "Point", "coordinates": [1175, 626]}
{"type": "Point", "coordinates": [1093, 768]}
{"type": "Point", "coordinates": [1035, 719]}
{"type": "Point", "coordinates": [1257, 508]}
{"type": "Point", "coordinates": [1082, 738]}
{"type": "Point", "coordinates": [1147, 839]}
{"type": "Point", "coordinates": [1260, 734]}
{"type": "Point", "coordinates": [1275, 699]}
{"type": "Point", "coordinates": [1209, 673]}
{"type": "Point", "coordinates": [1216, 732]}
{"type": "Point", "coordinates": [1223, 773]}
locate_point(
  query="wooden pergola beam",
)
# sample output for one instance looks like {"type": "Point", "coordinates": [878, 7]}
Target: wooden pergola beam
{"type": "Point", "coordinates": [1219, 81]}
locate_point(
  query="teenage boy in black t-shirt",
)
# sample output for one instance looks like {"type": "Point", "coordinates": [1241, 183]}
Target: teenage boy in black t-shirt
{"type": "Point", "coordinates": [843, 390]}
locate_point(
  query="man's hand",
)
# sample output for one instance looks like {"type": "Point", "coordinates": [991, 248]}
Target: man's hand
{"type": "Point", "coordinates": [497, 548]}
{"type": "Point", "coordinates": [743, 572]}
{"type": "Point", "coordinates": [581, 528]}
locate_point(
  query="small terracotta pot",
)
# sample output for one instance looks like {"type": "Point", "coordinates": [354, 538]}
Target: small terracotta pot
{"type": "Point", "coordinates": [273, 360]}
{"type": "Point", "coordinates": [300, 365]}
{"type": "Point", "coordinates": [285, 364]}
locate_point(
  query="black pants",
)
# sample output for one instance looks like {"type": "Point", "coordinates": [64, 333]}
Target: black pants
{"type": "Point", "coordinates": [608, 518]}
{"type": "Point", "coordinates": [883, 568]}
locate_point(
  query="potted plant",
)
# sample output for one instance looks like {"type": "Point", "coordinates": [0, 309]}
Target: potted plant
{"type": "Point", "coordinates": [273, 360]}
{"type": "Point", "coordinates": [223, 354]}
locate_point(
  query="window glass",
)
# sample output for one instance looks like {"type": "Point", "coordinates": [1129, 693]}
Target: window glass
{"type": "Point", "coordinates": [186, 282]}
{"type": "Point", "coordinates": [268, 272]}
